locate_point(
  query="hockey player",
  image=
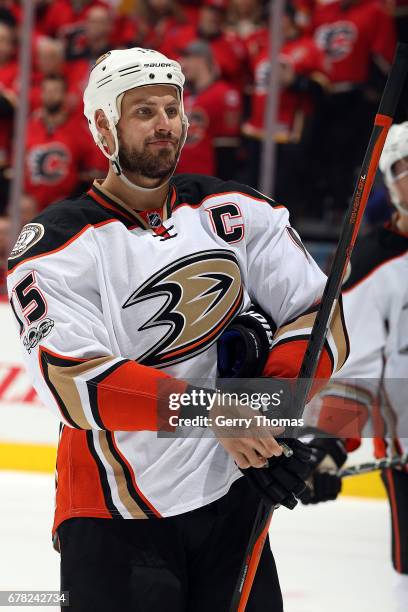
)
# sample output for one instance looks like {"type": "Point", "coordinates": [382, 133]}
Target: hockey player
{"type": "Point", "coordinates": [120, 296]}
{"type": "Point", "coordinates": [374, 380]}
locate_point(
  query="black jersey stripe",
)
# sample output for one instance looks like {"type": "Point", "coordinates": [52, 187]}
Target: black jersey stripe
{"type": "Point", "coordinates": [125, 215]}
{"type": "Point", "coordinates": [129, 484]}
{"type": "Point", "coordinates": [102, 477]}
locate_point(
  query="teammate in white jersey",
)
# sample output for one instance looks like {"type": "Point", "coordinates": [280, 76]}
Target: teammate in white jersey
{"type": "Point", "coordinates": [120, 297]}
{"type": "Point", "coordinates": [374, 381]}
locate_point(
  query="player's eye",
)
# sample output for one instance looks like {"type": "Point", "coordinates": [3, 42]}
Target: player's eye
{"type": "Point", "coordinates": [172, 111]}
{"type": "Point", "coordinates": [144, 111]}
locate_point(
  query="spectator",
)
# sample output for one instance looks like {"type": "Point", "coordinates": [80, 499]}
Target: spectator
{"type": "Point", "coordinates": [87, 48]}
{"type": "Point", "coordinates": [100, 29]}
{"type": "Point", "coordinates": [245, 16]}
{"type": "Point", "coordinates": [49, 60]}
{"type": "Point", "coordinates": [59, 151]}
{"type": "Point", "coordinates": [358, 37]}
{"type": "Point", "coordinates": [247, 19]}
{"type": "Point", "coordinates": [64, 18]}
{"type": "Point", "coordinates": [303, 75]}
{"type": "Point", "coordinates": [96, 37]}
{"type": "Point", "coordinates": [158, 19]}
{"type": "Point", "coordinates": [228, 50]}
{"type": "Point", "coordinates": [214, 110]}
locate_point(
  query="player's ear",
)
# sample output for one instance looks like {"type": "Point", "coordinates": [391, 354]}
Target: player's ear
{"type": "Point", "coordinates": [102, 125]}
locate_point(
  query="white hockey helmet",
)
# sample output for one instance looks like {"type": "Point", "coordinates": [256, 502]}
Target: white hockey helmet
{"type": "Point", "coordinates": [116, 72]}
{"type": "Point", "coordinates": [395, 148]}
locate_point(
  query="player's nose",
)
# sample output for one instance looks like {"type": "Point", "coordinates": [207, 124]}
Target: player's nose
{"type": "Point", "coordinates": [163, 121]}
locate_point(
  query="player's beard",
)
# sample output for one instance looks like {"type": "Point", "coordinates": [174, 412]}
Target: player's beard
{"type": "Point", "coordinates": [145, 163]}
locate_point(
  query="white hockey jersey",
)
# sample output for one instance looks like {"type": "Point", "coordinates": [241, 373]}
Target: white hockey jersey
{"type": "Point", "coordinates": [110, 302]}
{"type": "Point", "coordinates": [375, 377]}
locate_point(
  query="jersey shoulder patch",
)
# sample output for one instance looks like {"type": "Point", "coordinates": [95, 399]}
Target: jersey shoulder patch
{"type": "Point", "coordinates": [371, 251]}
{"type": "Point", "coordinates": [54, 227]}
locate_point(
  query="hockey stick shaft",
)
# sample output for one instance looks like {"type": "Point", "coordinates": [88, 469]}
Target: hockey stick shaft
{"type": "Point", "coordinates": [373, 466]}
{"type": "Point", "coordinates": [251, 560]}
{"type": "Point", "coordinates": [351, 225]}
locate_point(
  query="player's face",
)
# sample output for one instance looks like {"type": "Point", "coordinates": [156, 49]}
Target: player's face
{"type": "Point", "coordinates": [149, 131]}
{"type": "Point", "coordinates": [400, 172]}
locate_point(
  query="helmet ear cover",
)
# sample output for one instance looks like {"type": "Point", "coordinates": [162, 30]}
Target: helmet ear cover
{"type": "Point", "coordinates": [115, 73]}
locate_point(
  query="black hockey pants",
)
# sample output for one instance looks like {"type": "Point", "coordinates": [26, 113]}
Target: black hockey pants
{"type": "Point", "coordinates": [187, 563]}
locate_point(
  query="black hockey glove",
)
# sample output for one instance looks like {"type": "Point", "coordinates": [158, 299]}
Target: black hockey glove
{"type": "Point", "coordinates": [328, 455]}
{"type": "Point", "coordinates": [283, 479]}
{"type": "Point", "coordinates": [244, 346]}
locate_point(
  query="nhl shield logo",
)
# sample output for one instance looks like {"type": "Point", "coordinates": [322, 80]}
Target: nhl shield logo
{"type": "Point", "coordinates": [29, 236]}
{"type": "Point", "coordinates": [154, 219]}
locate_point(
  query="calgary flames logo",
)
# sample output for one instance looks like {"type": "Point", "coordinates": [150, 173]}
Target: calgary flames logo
{"type": "Point", "coordinates": [48, 164]}
{"type": "Point", "coordinates": [202, 294]}
{"type": "Point", "coordinates": [336, 39]}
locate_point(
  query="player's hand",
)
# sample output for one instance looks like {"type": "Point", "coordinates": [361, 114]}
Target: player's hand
{"type": "Point", "coordinates": [249, 443]}
{"type": "Point", "coordinates": [328, 455]}
{"type": "Point", "coordinates": [283, 479]}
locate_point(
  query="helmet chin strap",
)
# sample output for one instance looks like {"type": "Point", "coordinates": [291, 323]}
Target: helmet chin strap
{"type": "Point", "coordinates": [119, 172]}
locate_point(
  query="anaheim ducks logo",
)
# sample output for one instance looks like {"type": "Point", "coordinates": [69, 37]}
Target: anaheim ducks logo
{"type": "Point", "coordinates": [202, 294]}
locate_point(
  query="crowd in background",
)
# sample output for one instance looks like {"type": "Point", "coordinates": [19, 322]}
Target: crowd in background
{"type": "Point", "coordinates": [333, 63]}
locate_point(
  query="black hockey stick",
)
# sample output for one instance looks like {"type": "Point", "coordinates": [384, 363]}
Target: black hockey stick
{"type": "Point", "coordinates": [351, 225]}
{"type": "Point", "coordinates": [373, 466]}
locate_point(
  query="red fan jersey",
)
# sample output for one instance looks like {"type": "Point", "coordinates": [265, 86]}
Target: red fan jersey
{"type": "Point", "coordinates": [306, 59]}
{"type": "Point", "coordinates": [213, 113]}
{"type": "Point", "coordinates": [256, 42]}
{"type": "Point", "coordinates": [61, 16]}
{"type": "Point", "coordinates": [351, 36]}
{"type": "Point", "coordinates": [8, 77]}
{"type": "Point", "coordinates": [154, 34]}
{"type": "Point", "coordinates": [54, 159]}
{"type": "Point", "coordinates": [229, 51]}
